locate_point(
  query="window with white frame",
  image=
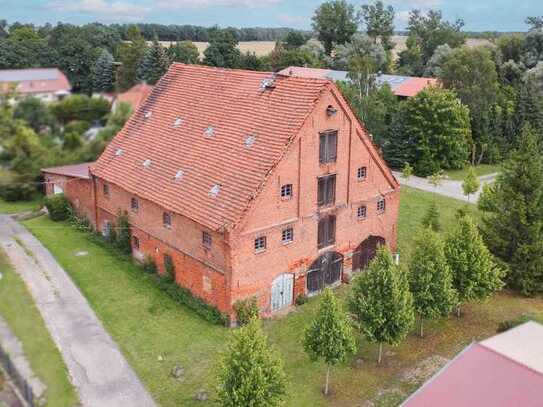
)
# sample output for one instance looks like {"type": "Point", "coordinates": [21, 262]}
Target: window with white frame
{"type": "Point", "coordinates": [361, 173]}
{"type": "Point", "coordinates": [206, 239]}
{"type": "Point", "coordinates": [287, 235]}
{"type": "Point", "coordinates": [381, 205]}
{"type": "Point", "coordinates": [286, 191]}
{"type": "Point", "coordinates": [361, 212]}
{"type": "Point", "coordinates": [260, 244]}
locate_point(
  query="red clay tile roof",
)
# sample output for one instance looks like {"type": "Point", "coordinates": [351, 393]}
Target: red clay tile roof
{"type": "Point", "coordinates": [171, 131]}
{"type": "Point", "coordinates": [481, 377]}
{"type": "Point", "coordinates": [75, 170]}
{"type": "Point", "coordinates": [136, 95]}
{"type": "Point", "coordinates": [35, 80]}
{"type": "Point", "coordinates": [413, 86]}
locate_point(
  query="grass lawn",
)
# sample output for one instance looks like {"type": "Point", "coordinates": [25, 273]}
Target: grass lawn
{"type": "Point", "coordinates": [18, 309]}
{"type": "Point", "coordinates": [20, 206]}
{"type": "Point", "coordinates": [480, 170]}
{"type": "Point", "coordinates": [149, 326]}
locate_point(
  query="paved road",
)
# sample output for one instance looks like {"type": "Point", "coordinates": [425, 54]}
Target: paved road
{"type": "Point", "coordinates": [449, 188]}
{"type": "Point", "coordinates": [97, 368]}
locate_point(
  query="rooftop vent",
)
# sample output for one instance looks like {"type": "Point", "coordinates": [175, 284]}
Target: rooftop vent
{"type": "Point", "coordinates": [268, 83]}
{"type": "Point", "coordinates": [148, 114]}
{"type": "Point", "coordinates": [209, 132]}
{"type": "Point", "coordinates": [178, 122]}
{"type": "Point", "coordinates": [250, 140]}
{"type": "Point", "coordinates": [179, 174]}
{"type": "Point", "coordinates": [214, 191]}
{"type": "Point", "coordinates": [118, 152]}
{"type": "Point", "coordinates": [147, 163]}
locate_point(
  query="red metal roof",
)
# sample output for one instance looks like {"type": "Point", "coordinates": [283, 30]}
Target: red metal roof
{"type": "Point", "coordinates": [36, 80]}
{"type": "Point", "coordinates": [413, 86]}
{"type": "Point", "coordinates": [218, 129]}
{"type": "Point", "coordinates": [481, 377]}
{"type": "Point", "coordinates": [136, 95]}
{"type": "Point", "coordinates": [75, 170]}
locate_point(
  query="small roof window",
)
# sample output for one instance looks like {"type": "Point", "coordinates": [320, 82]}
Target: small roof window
{"type": "Point", "coordinates": [178, 122]}
{"type": "Point", "coordinates": [250, 140]}
{"type": "Point", "coordinates": [118, 152]}
{"type": "Point", "coordinates": [147, 163]}
{"type": "Point", "coordinates": [179, 174]}
{"type": "Point", "coordinates": [148, 114]}
{"type": "Point", "coordinates": [209, 132]}
{"type": "Point", "coordinates": [215, 190]}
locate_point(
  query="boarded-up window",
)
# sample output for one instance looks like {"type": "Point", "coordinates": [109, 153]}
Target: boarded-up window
{"type": "Point", "coordinates": [327, 231]}
{"type": "Point", "coordinates": [328, 147]}
{"type": "Point", "coordinates": [326, 191]}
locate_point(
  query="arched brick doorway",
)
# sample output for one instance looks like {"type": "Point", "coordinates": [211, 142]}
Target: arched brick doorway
{"type": "Point", "coordinates": [324, 271]}
{"type": "Point", "coordinates": [365, 252]}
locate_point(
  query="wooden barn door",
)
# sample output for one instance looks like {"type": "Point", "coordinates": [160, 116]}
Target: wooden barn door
{"type": "Point", "coordinates": [365, 252]}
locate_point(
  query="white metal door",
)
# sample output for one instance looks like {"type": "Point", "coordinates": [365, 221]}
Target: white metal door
{"type": "Point", "coordinates": [282, 291]}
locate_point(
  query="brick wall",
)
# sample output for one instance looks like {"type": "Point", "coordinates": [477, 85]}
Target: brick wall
{"type": "Point", "coordinates": [79, 192]}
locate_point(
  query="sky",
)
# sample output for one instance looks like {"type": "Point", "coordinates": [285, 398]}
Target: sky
{"type": "Point", "coordinates": [479, 15]}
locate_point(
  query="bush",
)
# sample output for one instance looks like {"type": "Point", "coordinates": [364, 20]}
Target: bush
{"type": "Point", "coordinates": [511, 323]}
{"type": "Point", "coordinates": [80, 222]}
{"type": "Point", "coordinates": [15, 188]}
{"type": "Point", "coordinates": [122, 239]}
{"type": "Point", "coordinates": [301, 299]}
{"type": "Point", "coordinates": [149, 265]}
{"type": "Point", "coordinates": [169, 267]}
{"type": "Point", "coordinates": [246, 310]}
{"type": "Point", "coordinates": [59, 207]}
{"type": "Point", "coordinates": [77, 126]}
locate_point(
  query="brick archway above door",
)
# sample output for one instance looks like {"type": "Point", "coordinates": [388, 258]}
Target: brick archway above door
{"type": "Point", "coordinates": [366, 251]}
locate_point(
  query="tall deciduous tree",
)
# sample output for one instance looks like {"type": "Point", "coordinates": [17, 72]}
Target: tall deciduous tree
{"type": "Point", "coordinates": [430, 278]}
{"type": "Point", "coordinates": [335, 23]}
{"type": "Point", "coordinates": [104, 72]}
{"type": "Point", "coordinates": [130, 55]}
{"type": "Point", "coordinates": [154, 64]}
{"type": "Point", "coordinates": [471, 184]}
{"type": "Point", "coordinates": [438, 125]}
{"type": "Point", "coordinates": [329, 337]}
{"type": "Point", "coordinates": [184, 51]}
{"type": "Point", "coordinates": [251, 373]}
{"type": "Point", "coordinates": [475, 274]}
{"type": "Point", "coordinates": [382, 302]}
{"type": "Point", "coordinates": [222, 50]}
{"type": "Point", "coordinates": [379, 22]}
{"type": "Point", "coordinates": [512, 224]}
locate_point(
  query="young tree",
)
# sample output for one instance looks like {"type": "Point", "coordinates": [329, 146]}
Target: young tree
{"type": "Point", "coordinates": [184, 51]}
{"type": "Point", "coordinates": [382, 302]}
{"type": "Point", "coordinates": [251, 373]}
{"type": "Point", "coordinates": [335, 23]}
{"type": "Point", "coordinates": [475, 274]}
{"type": "Point", "coordinates": [430, 278]}
{"type": "Point", "coordinates": [154, 64]}
{"type": "Point", "coordinates": [407, 171]}
{"type": "Point", "coordinates": [329, 337]}
{"type": "Point", "coordinates": [471, 184]}
{"type": "Point", "coordinates": [431, 218]}
{"type": "Point", "coordinates": [104, 72]}
{"type": "Point", "coordinates": [512, 224]}
{"type": "Point", "coordinates": [439, 127]}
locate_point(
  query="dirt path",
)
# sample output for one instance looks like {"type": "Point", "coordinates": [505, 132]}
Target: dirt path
{"type": "Point", "coordinates": [96, 366]}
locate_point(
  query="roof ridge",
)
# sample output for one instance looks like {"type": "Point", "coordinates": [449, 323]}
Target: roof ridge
{"type": "Point", "coordinates": [503, 355]}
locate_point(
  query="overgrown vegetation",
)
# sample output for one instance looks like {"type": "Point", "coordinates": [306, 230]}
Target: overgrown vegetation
{"type": "Point", "coordinates": [58, 206]}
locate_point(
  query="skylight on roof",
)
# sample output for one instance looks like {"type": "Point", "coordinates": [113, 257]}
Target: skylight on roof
{"type": "Point", "coordinates": [215, 190]}
{"type": "Point", "coordinates": [250, 140]}
{"type": "Point", "coordinates": [147, 163]}
{"type": "Point", "coordinates": [178, 122]}
{"type": "Point", "coordinates": [148, 114]}
{"type": "Point", "coordinates": [179, 174]}
{"type": "Point", "coordinates": [209, 132]}
{"type": "Point", "coordinates": [118, 152]}
{"type": "Point", "coordinates": [267, 83]}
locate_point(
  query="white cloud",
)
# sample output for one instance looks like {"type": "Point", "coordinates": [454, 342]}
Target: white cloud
{"type": "Point", "coordinates": [115, 10]}
{"type": "Point", "coordinates": [176, 4]}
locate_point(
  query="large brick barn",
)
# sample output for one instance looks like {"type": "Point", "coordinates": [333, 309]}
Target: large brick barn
{"type": "Point", "coordinates": [252, 184]}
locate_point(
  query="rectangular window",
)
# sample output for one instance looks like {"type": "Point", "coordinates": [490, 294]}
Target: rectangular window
{"type": "Point", "coordinates": [260, 244]}
{"type": "Point", "coordinates": [287, 235]}
{"type": "Point", "coordinates": [361, 173]}
{"type": "Point", "coordinates": [106, 189]}
{"type": "Point", "coordinates": [381, 205]}
{"type": "Point", "coordinates": [328, 147]}
{"type": "Point", "coordinates": [167, 220]}
{"type": "Point", "coordinates": [136, 242]}
{"type": "Point", "coordinates": [206, 239]}
{"type": "Point", "coordinates": [286, 191]}
{"type": "Point", "coordinates": [326, 190]}
{"type": "Point", "coordinates": [134, 204]}
{"type": "Point", "coordinates": [327, 231]}
{"type": "Point", "coordinates": [361, 212]}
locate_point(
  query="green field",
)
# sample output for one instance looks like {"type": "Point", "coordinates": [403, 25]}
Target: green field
{"type": "Point", "coordinates": [480, 170]}
{"type": "Point", "coordinates": [20, 206]}
{"type": "Point", "coordinates": [18, 309]}
{"type": "Point", "coordinates": [155, 333]}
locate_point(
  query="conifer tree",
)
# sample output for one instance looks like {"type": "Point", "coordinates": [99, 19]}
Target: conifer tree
{"type": "Point", "coordinates": [529, 109]}
{"type": "Point", "coordinates": [430, 278]}
{"type": "Point", "coordinates": [130, 54]}
{"type": "Point", "coordinates": [329, 337]}
{"type": "Point", "coordinates": [154, 64]}
{"type": "Point", "coordinates": [471, 183]}
{"type": "Point", "coordinates": [251, 373]}
{"type": "Point", "coordinates": [382, 302]}
{"type": "Point", "coordinates": [512, 223]}
{"type": "Point", "coordinates": [104, 72]}
{"type": "Point", "coordinates": [475, 274]}
{"type": "Point", "coordinates": [431, 218]}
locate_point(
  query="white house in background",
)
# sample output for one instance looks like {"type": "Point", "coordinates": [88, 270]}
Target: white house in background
{"type": "Point", "coordinates": [47, 84]}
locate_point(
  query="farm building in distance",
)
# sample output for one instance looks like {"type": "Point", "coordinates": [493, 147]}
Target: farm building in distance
{"type": "Point", "coordinates": [402, 86]}
{"type": "Point", "coordinates": [245, 184]}
{"type": "Point", "coordinates": [134, 96]}
{"type": "Point", "coordinates": [47, 84]}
